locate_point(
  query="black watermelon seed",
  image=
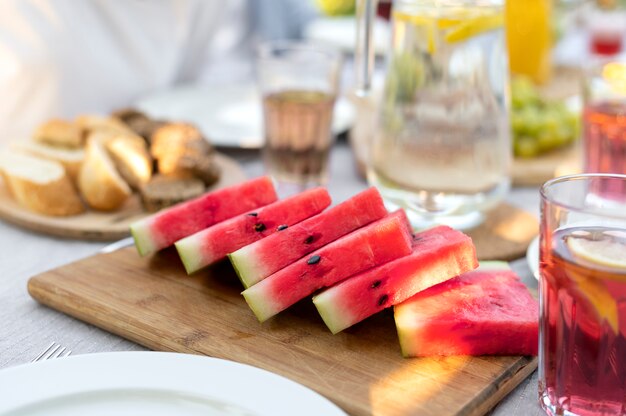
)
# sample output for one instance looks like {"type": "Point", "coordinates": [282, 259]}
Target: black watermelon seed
{"type": "Point", "coordinates": [376, 284]}
{"type": "Point", "coordinates": [314, 259]}
{"type": "Point", "coordinates": [309, 239]}
{"type": "Point", "coordinates": [382, 300]}
{"type": "Point", "coordinates": [259, 227]}
{"type": "Point", "coordinates": [253, 214]}
{"type": "Point", "coordinates": [282, 227]}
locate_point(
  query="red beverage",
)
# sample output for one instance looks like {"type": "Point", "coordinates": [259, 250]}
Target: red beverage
{"type": "Point", "coordinates": [606, 43]}
{"type": "Point", "coordinates": [583, 321]}
{"type": "Point", "coordinates": [605, 142]}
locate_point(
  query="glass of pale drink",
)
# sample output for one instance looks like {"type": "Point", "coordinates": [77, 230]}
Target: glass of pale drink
{"type": "Point", "coordinates": [299, 84]}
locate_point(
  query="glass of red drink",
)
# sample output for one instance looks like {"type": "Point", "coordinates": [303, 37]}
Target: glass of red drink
{"type": "Point", "coordinates": [604, 119]}
{"type": "Point", "coordinates": [582, 347]}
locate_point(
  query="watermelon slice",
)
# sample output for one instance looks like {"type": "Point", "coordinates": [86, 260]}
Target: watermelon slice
{"type": "Point", "coordinates": [385, 240]}
{"type": "Point", "coordinates": [168, 226]}
{"type": "Point", "coordinates": [486, 311]}
{"type": "Point", "coordinates": [438, 254]}
{"type": "Point", "coordinates": [256, 261]}
{"type": "Point", "coordinates": [214, 243]}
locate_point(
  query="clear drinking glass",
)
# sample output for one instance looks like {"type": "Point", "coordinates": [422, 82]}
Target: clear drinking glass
{"type": "Point", "coordinates": [299, 84]}
{"type": "Point", "coordinates": [442, 149]}
{"type": "Point", "coordinates": [582, 347]}
{"type": "Point", "coordinates": [604, 119]}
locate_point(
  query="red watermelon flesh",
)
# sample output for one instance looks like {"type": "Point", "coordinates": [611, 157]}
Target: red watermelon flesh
{"type": "Point", "coordinates": [484, 312]}
{"type": "Point", "coordinates": [438, 254]}
{"type": "Point", "coordinates": [385, 240]}
{"type": "Point", "coordinates": [170, 225]}
{"type": "Point", "coordinates": [258, 260]}
{"type": "Point", "coordinates": [216, 242]}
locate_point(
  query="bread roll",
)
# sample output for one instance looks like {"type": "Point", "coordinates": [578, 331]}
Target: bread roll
{"type": "Point", "coordinates": [165, 191]}
{"type": "Point", "coordinates": [180, 149]}
{"type": "Point", "coordinates": [39, 185]}
{"type": "Point", "coordinates": [71, 159]}
{"type": "Point", "coordinates": [59, 133]}
{"type": "Point", "coordinates": [98, 181]}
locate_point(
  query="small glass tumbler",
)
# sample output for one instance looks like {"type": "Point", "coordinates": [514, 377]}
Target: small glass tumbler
{"type": "Point", "coordinates": [299, 84]}
{"type": "Point", "coordinates": [604, 119]}
{"type": "Point", "coordinates": [582, 340]}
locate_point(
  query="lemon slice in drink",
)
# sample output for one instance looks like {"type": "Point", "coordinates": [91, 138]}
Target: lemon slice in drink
{"type": "Point", "coordinates": [608, 252]}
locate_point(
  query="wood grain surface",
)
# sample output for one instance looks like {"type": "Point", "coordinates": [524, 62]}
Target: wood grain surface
{"type": "Point", "coordinates": [152, 302]}
{"type": "Point", "coordinates": [505, 234]}
{"type": "Point", "coordinates": [95, 225]}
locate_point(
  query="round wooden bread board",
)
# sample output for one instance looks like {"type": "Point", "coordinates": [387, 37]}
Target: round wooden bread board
{"type": "Point", "coordinates": [96, 225]}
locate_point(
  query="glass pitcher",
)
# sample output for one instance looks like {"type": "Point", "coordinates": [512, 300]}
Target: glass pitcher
{"type": "Point", "coordinates": [442, 145]}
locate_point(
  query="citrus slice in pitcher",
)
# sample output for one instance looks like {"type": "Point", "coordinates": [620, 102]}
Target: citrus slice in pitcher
{"type": "Point", "coordinates": [474, 26]}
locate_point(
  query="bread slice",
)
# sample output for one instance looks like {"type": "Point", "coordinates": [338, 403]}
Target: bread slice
{"type": "Point", "coordinates": [138, 122]}
{"type": "Point", "coordinates": [180, 149]}
{"type": "Point", "coordinates": [89, 123]}
{"type": "Point", "coordinates": [165, 191]}
{"type": "Point", "coordinates": [71, 159]}
{"type": "Point", "coordinates": [39, 185]}
{"type": "Point", "coordinates": [61, 133]}
{"type": "Point", "coordinates": [98, 181]}
{"type": "Point", "coordinates": [131, 157]}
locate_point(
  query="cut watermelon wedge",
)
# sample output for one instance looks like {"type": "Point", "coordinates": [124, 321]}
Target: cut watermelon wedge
{"type": "Point", "coordinates": [438, 254]}
{"type": "Point", "coordinates": [166, 227]}
{"type": "Point", "coordinates": [484, 312]}
{"type": "Point", "coordinates": [256, 261]}
{"type": "Point", "coordinates": [215, 243]}
{"type": "Point", "coordinates": [385, 240]}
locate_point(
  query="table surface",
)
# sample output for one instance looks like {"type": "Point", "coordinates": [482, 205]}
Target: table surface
{"type": "Point", "coordinates": [26, 327]}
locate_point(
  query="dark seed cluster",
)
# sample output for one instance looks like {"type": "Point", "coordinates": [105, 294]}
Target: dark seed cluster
{"type": "Point", "coordinates": [259, 227]}
{"type": "Point", "coordinates": [309, 239]}
{"type": "Point", "coordinates": [376, 284]}
{"type": "Point", "coordinates": [253, 214]}
{"type": "Point", "coordinates": [282, 227]}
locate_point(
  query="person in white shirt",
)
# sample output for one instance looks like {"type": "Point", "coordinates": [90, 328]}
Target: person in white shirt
{"type": "Point", "coordinates": [61, 58]}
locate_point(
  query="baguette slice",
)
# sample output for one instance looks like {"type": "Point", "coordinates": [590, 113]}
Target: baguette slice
{"type": "Point", "coordinates": [61, 133]}
{"type": "Point", "coordinates": [71, 159]}
{"type": "Point", "coordinates": [131, 157]}
{"type": "Point", "coordinates": [98, 181]}
{"type": "Point", "coordinates": [165, 191]}
{"type": "Point", "coordinates": [89, 123]}
{"type": "Point", "coordinates": [40, 185]}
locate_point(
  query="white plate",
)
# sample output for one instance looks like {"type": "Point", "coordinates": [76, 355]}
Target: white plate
{"type": "Point", "coordinates": [532, 257]}
{"type": "Point", "coordinates": [340, 32]}
{"type": "Point", "coordinates": [152, 383]}
{"type": "Point", "coordinates": [229, 115]}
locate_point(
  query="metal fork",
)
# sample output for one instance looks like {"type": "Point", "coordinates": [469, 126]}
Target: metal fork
{"type": "Point", "coordinates": [53, 351]}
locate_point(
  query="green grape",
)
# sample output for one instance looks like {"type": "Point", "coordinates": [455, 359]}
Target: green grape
{"type": "Point", "coordinates": [517, 122]}
{"type": "Point", "coordinates": [526, 147]}
{"type": "Point", "coordinates": [532, 121]}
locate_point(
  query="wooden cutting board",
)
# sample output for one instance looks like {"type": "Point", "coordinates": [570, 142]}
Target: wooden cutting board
{"type": "Point", "coordinates": [152, 302]}
{"type": "Point", "coordinates": [96, 225]}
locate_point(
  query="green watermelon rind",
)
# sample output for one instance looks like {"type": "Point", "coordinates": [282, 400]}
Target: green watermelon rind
{"type": "Point", "coordinates": [329, 311]}
{"type": "Point", "coordinates": [493, 265]}
{"type": "Point", "coordinates": [245, 266]}
{"type": "Point", "coordinates": [190, 252]}
{"type": "Point", "coordinates": [142, 235]}
{"type": "Point", "coordinates": [262, 308]}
